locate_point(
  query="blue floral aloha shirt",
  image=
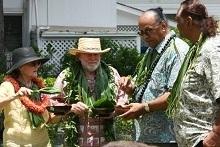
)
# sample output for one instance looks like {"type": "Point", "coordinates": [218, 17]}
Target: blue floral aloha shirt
{"type": "Point", "coordinates": [154, 127]}
{"type": "Point", "coordinates": [199, 91]}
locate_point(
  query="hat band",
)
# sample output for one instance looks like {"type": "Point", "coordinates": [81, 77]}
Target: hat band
{"type": "Point", "coordinates": [97, 49]}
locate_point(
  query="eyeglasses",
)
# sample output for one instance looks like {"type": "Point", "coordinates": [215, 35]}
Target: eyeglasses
{"type": "Point", "coordinates": [34, 63]}
{"type": "Point", "coordinates": [148, 31]}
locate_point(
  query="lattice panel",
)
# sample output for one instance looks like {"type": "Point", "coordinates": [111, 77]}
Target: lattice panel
{"type": "Point", "coordinates": [128, 43]}
{"type": "Point", "coordinates": [127, 28]}
{"type": "Point", "coordinates": [62, 45]}
{"type": "Point", "coordinates": [130, 29]}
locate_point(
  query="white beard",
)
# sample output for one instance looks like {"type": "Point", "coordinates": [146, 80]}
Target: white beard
{"type": "Point", "coordinates": [91, 67]}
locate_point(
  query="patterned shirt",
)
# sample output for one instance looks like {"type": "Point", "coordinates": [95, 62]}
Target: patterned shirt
{"type": "Point", "coordinates": [199, 91]}
{"type": "Point", "coordinates": [154, 127]}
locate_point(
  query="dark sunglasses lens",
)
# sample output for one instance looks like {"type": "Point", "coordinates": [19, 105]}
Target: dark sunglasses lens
{"type": "Point", "coordinates": [34, 63]}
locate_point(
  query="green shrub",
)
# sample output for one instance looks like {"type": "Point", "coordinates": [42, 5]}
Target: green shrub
{"type": "Point", "coordinates": [1, 77]}
{"type": "Point", "coordinates": [45, 69]}
{"type": "Point", "coordinates": [123, 58]}
{"type": "Point", "coordinates": [52, 128]}
{"type": "Point", "coordinates": [123, 129]}
{"type": "Point", "coordinates": [49, 81]}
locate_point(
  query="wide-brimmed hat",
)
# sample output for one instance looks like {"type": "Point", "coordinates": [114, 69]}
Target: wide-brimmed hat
{"type": "Point", "coordinates": [88, 45]}
{"type": "Point", "coordinates": [21, 56]}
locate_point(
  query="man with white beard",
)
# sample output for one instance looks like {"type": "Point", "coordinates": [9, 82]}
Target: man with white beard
{"type": "Point", "coordinates": [84, 82]}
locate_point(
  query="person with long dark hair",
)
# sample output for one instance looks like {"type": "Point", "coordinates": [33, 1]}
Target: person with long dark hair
{"type": "Point", "coordinates": [195, 97]}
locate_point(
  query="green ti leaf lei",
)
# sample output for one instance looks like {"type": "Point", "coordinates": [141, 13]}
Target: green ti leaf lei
{"type": "Point", "coordinates": [35, 118]}
{"type": "Point", "coordinates": [77, 90]}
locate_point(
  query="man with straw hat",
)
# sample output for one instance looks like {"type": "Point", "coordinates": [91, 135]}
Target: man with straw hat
{"type": "Point", "coordinates": [83, 83]}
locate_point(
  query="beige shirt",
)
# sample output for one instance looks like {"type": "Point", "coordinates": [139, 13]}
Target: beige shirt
{"type": "Point", "coordinates": [18, 131]}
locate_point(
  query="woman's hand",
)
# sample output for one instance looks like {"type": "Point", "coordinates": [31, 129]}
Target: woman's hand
{"type": "Point", "coordinates": [23, 91]}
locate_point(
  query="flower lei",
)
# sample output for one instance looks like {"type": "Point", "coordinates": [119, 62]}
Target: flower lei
{"type": "Point", "coordinates": [31, 104]}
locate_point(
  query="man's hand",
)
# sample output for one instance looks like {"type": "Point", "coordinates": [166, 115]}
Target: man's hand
{"type": "Point", "coordinates": [126, 85]}
{"type": "Point", "coordinates": [213, 138]}
{"type": "Point", "coordinates": [136, 110]}
{"type": "Point", "coordinates": [79, 108]}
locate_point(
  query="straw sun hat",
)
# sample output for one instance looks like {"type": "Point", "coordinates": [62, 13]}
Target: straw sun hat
{"type": "Point", "coordinates": [89, 46]}
{"type": "Point", "coordinates": [21, 56]}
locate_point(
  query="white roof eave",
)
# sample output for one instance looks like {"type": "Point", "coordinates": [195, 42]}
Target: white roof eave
{"type": "Point", "coordinates": [129, 10]}
{"type": "Point", "coordinates": [138, 12]}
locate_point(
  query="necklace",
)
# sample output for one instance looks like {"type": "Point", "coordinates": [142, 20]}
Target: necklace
{"type": "Point", "coordinates": [189, 62]}
{"type": "Point", "coordinates": [149, 73]}
{"type": "Point", "coordinates": [30, 103]}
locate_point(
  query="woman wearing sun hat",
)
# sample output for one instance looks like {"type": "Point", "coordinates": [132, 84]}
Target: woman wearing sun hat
{"type": "Point", "coordinates": [83, 82]}
{"type": "Point", "coordinates": [24, 121]}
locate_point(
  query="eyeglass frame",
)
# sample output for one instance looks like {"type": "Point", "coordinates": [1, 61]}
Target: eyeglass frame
{"type": "Point", "coordinates": [149, 31]}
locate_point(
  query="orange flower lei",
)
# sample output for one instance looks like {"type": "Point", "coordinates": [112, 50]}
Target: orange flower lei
{"type": "Point", "coordinates": [34, 106]}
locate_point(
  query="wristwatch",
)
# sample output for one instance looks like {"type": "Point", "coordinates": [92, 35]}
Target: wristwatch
{"type": "Point", "coordinates": [146, 107]}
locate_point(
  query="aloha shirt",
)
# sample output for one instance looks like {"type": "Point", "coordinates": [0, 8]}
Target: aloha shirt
{"type": "Point", "coordinates": [199, 90]}
{"type": "Point", "coordinates": [155, 127]}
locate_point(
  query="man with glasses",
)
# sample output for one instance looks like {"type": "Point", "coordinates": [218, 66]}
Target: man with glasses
{"type": "Point", "coordinates": [153, 80]}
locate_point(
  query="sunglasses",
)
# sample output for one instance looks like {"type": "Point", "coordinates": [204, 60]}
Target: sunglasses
{"type": "Point", "coordinates": [34, 63]}
{"type": "Point", "coordinates": [148, 31]}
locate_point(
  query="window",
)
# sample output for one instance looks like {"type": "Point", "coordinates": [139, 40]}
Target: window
{"type": "Point", "coordinates": [13, 32]}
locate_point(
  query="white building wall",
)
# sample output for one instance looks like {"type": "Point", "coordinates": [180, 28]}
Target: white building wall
{"type": "Point", "coordinates": [77, 13]}
{"type": "Point", "coordinates": [124, 18]}
{"type": "Point", "coordinates": [64, 14]}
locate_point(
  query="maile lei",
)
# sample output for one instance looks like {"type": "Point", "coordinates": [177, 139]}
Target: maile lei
{"type": "Point", "coordinates": [146, 67]}
{"type": "Point", "coordinates": [189, 62]}
{"type": "Point", "coordinates": [77, 90]}
{"type": "Point", "coordinates": [35, 105]}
